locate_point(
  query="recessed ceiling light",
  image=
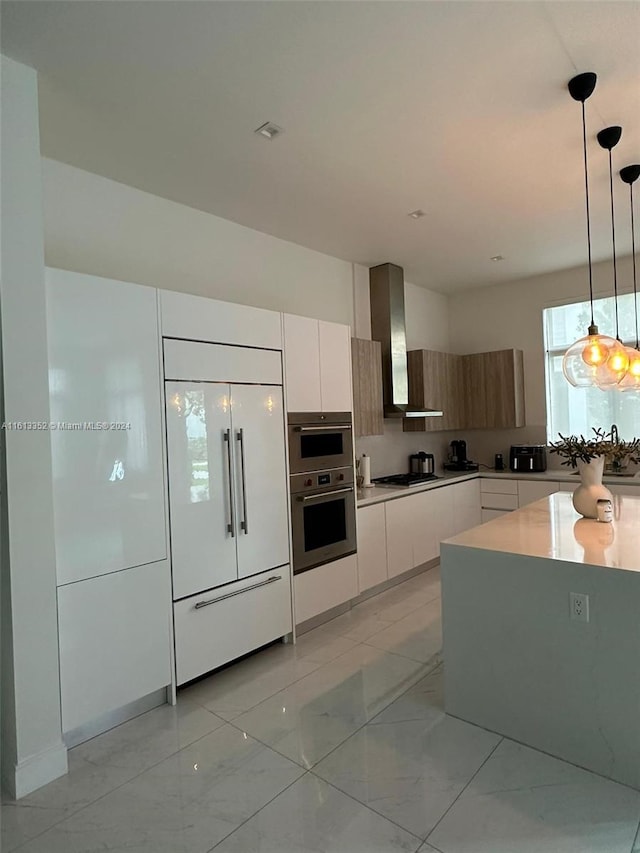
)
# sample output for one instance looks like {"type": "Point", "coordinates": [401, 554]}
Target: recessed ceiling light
{"type": "Point", "coordinates": [497, 258]}
{"type": "Point", "coordinates": [269, 130]}
{"type": "Point", "coordinates": [417, 214]}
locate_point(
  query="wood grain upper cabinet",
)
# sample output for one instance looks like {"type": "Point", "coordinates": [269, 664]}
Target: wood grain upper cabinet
{"type": "Point", "coordinates": [368, 415]}
{"type": "Point", "coordinates": [493, 389]}
{"type": "Point", "coordinates": [435, 382]}
{"type": "Point", "coordinates": [317, 357]}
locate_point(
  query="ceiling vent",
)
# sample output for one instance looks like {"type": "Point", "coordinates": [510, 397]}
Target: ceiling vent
{"type": "Point", "coordinates": [269, 130]}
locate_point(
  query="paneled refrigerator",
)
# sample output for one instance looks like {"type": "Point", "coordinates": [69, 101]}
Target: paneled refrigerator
{"type": "Point", "coordinates": [228, 502]}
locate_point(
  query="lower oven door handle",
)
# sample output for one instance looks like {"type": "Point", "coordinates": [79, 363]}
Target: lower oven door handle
{"type": "Point", "coordinates": [308, 498]}
{"type": "Point", "coordinates": [202, 604]}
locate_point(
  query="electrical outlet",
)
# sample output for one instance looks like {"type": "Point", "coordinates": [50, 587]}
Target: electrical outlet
{"type": "Point", "coordinates": [579, 606]}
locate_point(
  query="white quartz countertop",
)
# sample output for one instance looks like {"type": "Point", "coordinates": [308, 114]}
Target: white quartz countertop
{"type": "Point", "coordinates": [552, 529]}
{"type": "Point", "coordinates": [378, 494]}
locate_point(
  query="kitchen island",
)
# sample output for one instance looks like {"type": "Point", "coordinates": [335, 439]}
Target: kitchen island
{"type": "Point", "coordinates": [522, 659]}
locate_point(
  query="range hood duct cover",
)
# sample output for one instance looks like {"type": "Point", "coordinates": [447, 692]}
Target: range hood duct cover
{"type": "Point", "coordinates": [386, 290]}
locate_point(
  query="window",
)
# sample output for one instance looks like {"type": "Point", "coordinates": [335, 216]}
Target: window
{"type": "Point", "coordinates": [576, 410]}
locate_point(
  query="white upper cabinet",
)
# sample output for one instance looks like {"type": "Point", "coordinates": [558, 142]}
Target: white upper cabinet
{"type": "Point", "coordinates": [105, 386]}
{"type": "Point", "coordinates": [335, 367]}
{"type": "Point", "coordinates": [318, 365]}
{"type": "Point", "coordinates": [198, 318]}
{"type": "Point", "coordinates": [302, 363]}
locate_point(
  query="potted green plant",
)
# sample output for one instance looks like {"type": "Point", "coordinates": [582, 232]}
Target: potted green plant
{"type": "Point", "coordinates": [589, 455]}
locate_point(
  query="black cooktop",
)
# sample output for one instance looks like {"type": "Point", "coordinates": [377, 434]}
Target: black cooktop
{"type": "Point", "coordinates": [404, 479]}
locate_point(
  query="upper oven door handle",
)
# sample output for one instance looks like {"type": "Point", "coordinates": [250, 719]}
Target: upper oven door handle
{"type": "Point", "coordinates": [332, 427]}
{"type": "Point", "coordinates": [307, 498]}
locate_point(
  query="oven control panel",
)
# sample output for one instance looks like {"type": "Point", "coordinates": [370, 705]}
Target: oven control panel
{"type": "Point", "coordinates": [313, 481]}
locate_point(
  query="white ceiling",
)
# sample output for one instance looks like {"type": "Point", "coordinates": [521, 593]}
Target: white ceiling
{"type": "Point", "coordinates": [457, 108]}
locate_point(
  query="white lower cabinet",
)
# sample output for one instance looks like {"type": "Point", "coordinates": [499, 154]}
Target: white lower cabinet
{"type": "Point", "coordinates": [490, 514]}
{"type": "Point", "coordinates": [324, 587]}
{"type": "Point", "coordinates": [372, 546]}
{"type": "Point", "coordinates": [427, 525]}
{"type": "Point", "coordinates": [114, 635]}
{"type": "Point", "coordinates": [466, 505]}
{"type": "Point", "coordinates": [402, 517]}
{"type": "Point", "coordinates": [534, 490]}
{"type": "Point", "coordinates": [403, 533]}
{"type": "Point", "coordinates": [213, 628]}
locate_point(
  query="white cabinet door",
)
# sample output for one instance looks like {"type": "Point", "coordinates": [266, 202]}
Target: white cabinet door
{"type": "Point", "coordinates": [199, 318]}
{"type": "Point", "coordinates": [260, 474]}
{"type": "Point", "coordinates": [372, 546]}
{"type": "Point", "coordinates": [215, 628]}
{"type": "Point", "coordinates": [490, 514]}
{"type": "Point", "coordinates": [107, 464]}
{"type": "Point", "coordinates": [200, 452]}
{"type": "Point", "coordinates": [336, 389]}
{"type": "Point", "coordinates": [114, 635]}
{"type": "Point", "coordinates": [466, 505]}
{"type": "Point", "coordinates": [302, 364]}
{"type": "Point", "coordinates": [402, 516]}
{"type": "Point", "coordinates": [498, 486]}
{"type": "Point", "coordinates": [443, 512]}
{"type": "Point", "coordinates": [425, 529]}
{"type": "Point", "coordinates": [499, 501]}
{"type": "Point", "coordinates": [616, 489]}
{"type": "Point", "coordinates": [533, 490]}
{"type": "Point", "coordinates": [325, 587]}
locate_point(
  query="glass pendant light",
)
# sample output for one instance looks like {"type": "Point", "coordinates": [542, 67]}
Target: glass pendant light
{"type": "Point", "coordinates": [583, 357]}
{"type": "Point", "coordinates": [613, 370]}
{"type": "Point", "coordinates": [631, 381]}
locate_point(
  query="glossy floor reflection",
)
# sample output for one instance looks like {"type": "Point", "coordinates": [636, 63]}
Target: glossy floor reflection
{"type": "Point", "coordinates": [339, 744]}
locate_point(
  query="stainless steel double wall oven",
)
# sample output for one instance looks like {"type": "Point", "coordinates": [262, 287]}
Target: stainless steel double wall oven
{"type": "Point", "coordinates": [323, 512]}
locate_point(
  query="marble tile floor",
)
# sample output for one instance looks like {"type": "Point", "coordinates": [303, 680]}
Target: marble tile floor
{"type": "Point", "coordinates": [338, 744]}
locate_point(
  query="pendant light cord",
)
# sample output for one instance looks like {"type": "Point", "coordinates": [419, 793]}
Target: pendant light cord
{"type": "Point", "coordinates": [586, 194]}
{"type": "Point", "coordinates": [633, 261]}
{"type": "Point", "coordinates": [613, 239]}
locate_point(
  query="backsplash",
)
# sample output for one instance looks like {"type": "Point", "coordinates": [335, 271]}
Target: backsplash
{"type": "Point", "coordinates": [390, 452]}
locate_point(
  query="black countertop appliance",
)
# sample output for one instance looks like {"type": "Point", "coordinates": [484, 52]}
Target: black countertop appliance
{"type": "Point", "coordinates": [458, 458]}
{"type": "Point", "coordinates": [528, 458]}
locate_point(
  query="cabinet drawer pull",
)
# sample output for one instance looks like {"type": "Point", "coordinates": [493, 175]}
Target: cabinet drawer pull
{"type": "Point", "coordinates": [272, 579]}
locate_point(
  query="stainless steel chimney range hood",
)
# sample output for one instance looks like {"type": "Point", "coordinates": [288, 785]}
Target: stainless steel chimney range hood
{"type": "Point", "coordinates": [386, 290]}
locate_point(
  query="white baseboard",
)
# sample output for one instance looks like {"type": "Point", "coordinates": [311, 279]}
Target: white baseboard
{"type": "Point", "coordinates": [36, 771]}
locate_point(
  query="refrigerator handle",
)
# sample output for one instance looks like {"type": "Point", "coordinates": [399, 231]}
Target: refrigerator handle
{"type": "Point", "coordinates": [244, 524]}
{"type": "Point", "coordinates": [231, 526]}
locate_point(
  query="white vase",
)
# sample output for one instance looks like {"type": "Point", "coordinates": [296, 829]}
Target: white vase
{"type": "Point", "coordinates": [590, 490]}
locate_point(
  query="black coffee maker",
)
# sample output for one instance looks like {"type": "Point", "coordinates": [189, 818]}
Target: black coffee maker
{"type": "Point", "coordinates": [458, 458]}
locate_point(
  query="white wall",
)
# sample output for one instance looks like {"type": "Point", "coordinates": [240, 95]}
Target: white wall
{"type": "Point", "coordinates": [427, 318]}
{"type": "Point", "coordinates": [33, 752]}
{"type": "Point", "coordinates": [98, 226]}
{"type": "Point", "coordinates": [426, 313]}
